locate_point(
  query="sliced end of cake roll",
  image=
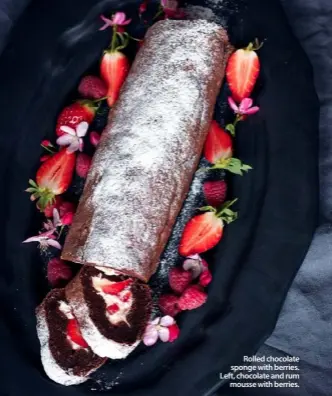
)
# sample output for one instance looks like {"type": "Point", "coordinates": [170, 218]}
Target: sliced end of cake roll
{"type": "Point", "coordinates": [111, 308]}
{"type": "Point", "coordinates": [65, 355]}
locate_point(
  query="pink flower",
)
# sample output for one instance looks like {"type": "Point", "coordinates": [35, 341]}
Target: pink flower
{"type": "Point", "coordinates": [196, 264]}
{"type": "Point", "coordinates": [118, 19]}
{"type": "Point", "coordinates": [73, 137]}
{"type": "Point", "coordinates": [171, 9]}
{"type": "Point", "coordinates": [46, 143]}
{"type": "Point", "coordinates": [94, 138]}
{"type": "Point", "coordinates": [45, 240]}
{"type": "Point", "coordinates": [164, 328]}
{"type": "Point", "coordinates": [245, 107]}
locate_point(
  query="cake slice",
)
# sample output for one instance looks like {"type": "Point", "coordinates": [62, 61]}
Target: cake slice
{"type": "Point", "coordinates": [112, 310]}
{"type": "Point", "coordinates": [65, 355]}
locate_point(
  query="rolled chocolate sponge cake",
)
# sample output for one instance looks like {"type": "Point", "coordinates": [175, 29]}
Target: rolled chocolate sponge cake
{"type": "Point", "coordinates": [148, 153]}
{"type": "Point", "coordinates": [65, 355]}
{"type": "Point", "coordinates": [112, 310]}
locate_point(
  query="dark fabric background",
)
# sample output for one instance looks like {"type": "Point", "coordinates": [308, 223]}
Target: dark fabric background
{"type": "Point", "coordinates": [261, 252]}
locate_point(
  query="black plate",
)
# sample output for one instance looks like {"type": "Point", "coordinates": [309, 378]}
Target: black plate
{"type": "Point", "coordinates": [54, 43]}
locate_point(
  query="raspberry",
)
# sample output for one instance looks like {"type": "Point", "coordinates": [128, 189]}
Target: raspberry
{"type": "Point", "coordinates": [58, 272]}
{"type": "Point", "coordinates": [92, 87]}
{"type": "Point", "coordinates": [192, 298]}
{"type": "Point", "coordinates": [215, 192]}
{"type": "Point", "coordinates": [179, 279]}
{"type": "Point", "coordinates": [205, 278]}
{"type": "Point", "coordinates": [168, 304]}
{"type": "Point", "coordinates": [83, 164]}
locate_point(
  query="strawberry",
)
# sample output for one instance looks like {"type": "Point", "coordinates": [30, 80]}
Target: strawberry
{"type": "Point", "coordinates": [174, 332]}
{"type": "Point", "coordinates": [74, 114]}
{"type": "Point", "coordinates": [114, 69]}
{"type": "Point", "coordinates": [168, 304]}
{"type": "Point", "coordinates": [218, 145]}
{"type": "Point", "coordinates": [204, 231]}
{"type": "Point", "coordinates": [74, 333]}
{"type": "Point", "coordinates": [242, 71]}
{"type": "Point", "coordinates": [192, 298]}
{"type": "Point", "coordinates": [116, 288]}
{"type": "Point", "coordinates": [58, 272]}
{"type": "Point", "coordinates": [92, 87]}
{"type": "Point", "coordinates": [112, 309]}
{"type": "Point", "coordinates": [215, 192]}
{"type": "Point", "coordinates": [218, 150]}
{"type": "Point", "coordinates": [48, 211]}
{"type": "Point", "coordinates": [83, 164]}
{"type": "Point", "coordinates": [126, 296]}
{"type": "Point", "coordinates": [179, 279]}
{"type": "Point", "coordinates": [44, 158]}
{"type": "Point", "coordinates": [53, 178]}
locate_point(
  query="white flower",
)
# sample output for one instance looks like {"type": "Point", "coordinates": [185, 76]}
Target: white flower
{"type": "Point", "coordinates": [73, 138]}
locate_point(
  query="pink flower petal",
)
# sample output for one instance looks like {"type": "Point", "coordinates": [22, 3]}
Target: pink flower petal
{"type": "Point", "coordinates": [82, 129]}
{"type": "Point", "coordinates": [94, 138]}
{"type": "Point", "coordinates": [64, 140]}
{"type": "Point", "coordinates": [56, 217]}
{"type": "Point", "coordinates": [80, 145]}
{"type": "Point", "coordinates": [108, 22]}
{"type": "Point", "coordinates": [74, 146]}
{"type": "Point", "coordinates": [252, 110]}
{"type": "Point", "coordinates": [33, 239]}
{"type": "Point", "coordinates": [164, 334]}
{"type": "Point", "coordinates": [166, 321]}
{"type": "Point", "coordinates": [68, 130]}
{"type": "Point", "coordinates": [232, 104]}
{"type": "Point", "coordinates": [245, 105]}
{"type": "Point", "coordinates": [150, 336]}
{"type": "Point", "coordinates": [56, 244]}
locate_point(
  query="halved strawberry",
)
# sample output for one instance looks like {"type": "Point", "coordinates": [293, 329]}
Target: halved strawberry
{"type": "Point", "coordinates": [116, 288]}
{"type": "Point", "coordinates": [74, 333]}
{"type": "Point", "coordinates": [242, 71]}
{"type": "Point", "coordinates": [74, 114]}
{"type": "Point", "coordinates": [114, 69]}
{"type": "Point", "coordinates": [112, 309]}
{"type": "Point", "coordinates": [218, 145]}
{"type": "Point", "coordinates": [204, 231]}
{"type": "Point", "coordinates": [218, 150]}
{"type": "Point", "coordinates": [53, 178]}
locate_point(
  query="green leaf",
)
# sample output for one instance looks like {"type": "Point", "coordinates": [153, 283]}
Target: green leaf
{"type": "Point", "coordinates": [236, 166]}
{"type": "Point", "coordinates": [30, 190]}
{"type": "Point", "coordinates": [207, 209]}
{"type": "Point", "coordinates": [33, 183]}
{"type": "Point", "coordinates": [231, 129]}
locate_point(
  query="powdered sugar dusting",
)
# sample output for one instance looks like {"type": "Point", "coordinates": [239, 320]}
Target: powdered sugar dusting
{"type": "Point", "coordinates": [147, 156]}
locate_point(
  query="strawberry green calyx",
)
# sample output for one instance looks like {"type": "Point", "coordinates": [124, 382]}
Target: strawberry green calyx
{"type": "Point", "coordinates": [233, 165]}
{"type": "Point", "coordinates": [43, 195]}
{"type": "Point", "coordinates": [224, 213]}
{"type": "Point", "coordinates": [254, 46]}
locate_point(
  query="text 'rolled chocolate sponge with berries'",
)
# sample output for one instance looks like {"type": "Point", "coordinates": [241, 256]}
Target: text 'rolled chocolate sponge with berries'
{"type": "Point", "coordinates": [148, 153]}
